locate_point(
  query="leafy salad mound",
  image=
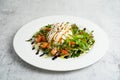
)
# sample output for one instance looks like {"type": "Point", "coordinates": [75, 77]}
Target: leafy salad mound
{"type": "Point", "coordinates": [62, 40]}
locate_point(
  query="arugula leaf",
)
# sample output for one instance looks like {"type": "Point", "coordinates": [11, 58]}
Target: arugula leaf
{"type": "Point", "coordinates": [74, 28]}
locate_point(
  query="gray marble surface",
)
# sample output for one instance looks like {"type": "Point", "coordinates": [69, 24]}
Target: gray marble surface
{"type": "Point", "coordinates": [15, 13]}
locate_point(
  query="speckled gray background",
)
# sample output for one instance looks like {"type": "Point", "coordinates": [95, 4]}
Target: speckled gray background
{"type": "Point", "coordinates": [15, 13]}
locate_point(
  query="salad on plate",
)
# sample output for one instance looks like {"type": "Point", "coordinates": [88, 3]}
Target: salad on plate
{"type": "Point", "coordinates": [64, 40]}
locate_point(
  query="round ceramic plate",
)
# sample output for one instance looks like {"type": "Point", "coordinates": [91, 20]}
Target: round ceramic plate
{"type": "Point", "coordinates": [25, 52]}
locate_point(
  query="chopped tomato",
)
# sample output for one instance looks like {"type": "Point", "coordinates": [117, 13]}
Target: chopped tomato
{"type": "Point", "coordinates": [53, 51]}
{"type": "Point", "coordinates": [44, 45]}
{"type": "Point", "coordinates": [60, 50]}
{"type": "Point", "coordinates": [48, 29]}
{"type": "Point", "coordinates": [43, 38]}
{"type": "Point", "coordinates": [38, 39]}
{"type": "Point", "coordinates": [72, 43]}
{"type": "Point", "coordinates": [49, 46]}
{"type": "Point", "coordinates": [64, 52]}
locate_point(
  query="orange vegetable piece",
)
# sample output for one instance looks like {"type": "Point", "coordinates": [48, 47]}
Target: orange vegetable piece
{"type": "Point", "coordinates": [64, 52]}
{"type": "Point", "coordinates": [53, 51]}
{"type": "Point", "coordinates": [72, 43]}
{"type": "Point", "coordinates": [43, 38]}
{"type": "Point", "coordinates": [44, 45]}
{"type": "Point", "coordinates": [48, 29]}
{"type": "Point", "coordinates": [38, 39]}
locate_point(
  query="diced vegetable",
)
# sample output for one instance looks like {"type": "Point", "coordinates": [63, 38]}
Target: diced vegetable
{"type": "Point", "coordinates": [38, 39]}
{"type": "Point", "coordinates": [64, 52]}
{"type": "Point", "coordinates": [43, 38]}
{"type": "Point", "coordinates": [72, 43]}
{"type": "Point", "coordinates": [53, 51]}
{"type": "Point", "coordinates": [48, 29]}
{"type": "Point", "coordinates": [44, 45]}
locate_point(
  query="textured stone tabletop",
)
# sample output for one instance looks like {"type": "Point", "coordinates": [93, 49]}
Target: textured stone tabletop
{"type": "Point", "coordinates": [15, 13]}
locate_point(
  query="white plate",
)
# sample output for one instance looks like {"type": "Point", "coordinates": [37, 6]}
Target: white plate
{"type": "Point", "coordinates": [24, 49]}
